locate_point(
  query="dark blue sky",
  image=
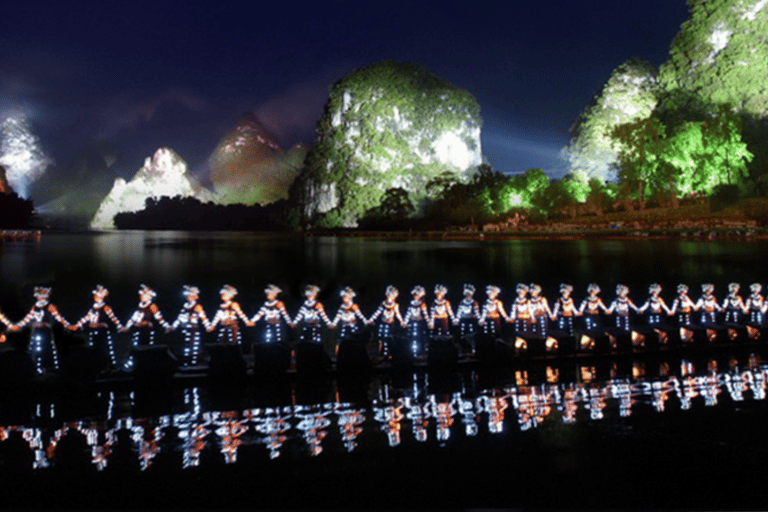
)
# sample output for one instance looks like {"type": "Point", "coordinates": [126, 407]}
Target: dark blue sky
{"type": "Point", "coordinates": [141, 75]}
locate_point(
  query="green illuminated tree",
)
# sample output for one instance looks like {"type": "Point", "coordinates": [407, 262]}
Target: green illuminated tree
{"type": "Point", "coordinates": [640, 172]}
{"type": "Point", "coordinates": [707, 154]}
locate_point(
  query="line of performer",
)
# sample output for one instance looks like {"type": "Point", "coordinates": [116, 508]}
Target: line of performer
{"type": "Point", "coordinates": [530, 312]}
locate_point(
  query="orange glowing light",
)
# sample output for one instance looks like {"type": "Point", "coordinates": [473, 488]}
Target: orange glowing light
{"type": "Point", "coordinates": [753, 333]}
{"type": "Point", "coordinates": [551, 344]}
{"type": "Point", "coordinates": [586, 342]}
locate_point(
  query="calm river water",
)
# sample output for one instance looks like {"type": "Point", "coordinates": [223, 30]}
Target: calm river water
{"type": "Point", "coordinates": [661, 433]}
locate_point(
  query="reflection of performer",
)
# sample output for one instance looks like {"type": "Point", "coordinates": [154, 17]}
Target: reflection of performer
{"type": "Point", "coordinates": [41, 318]}
{"type": "Point", "coordinates": [227, 318]}
{"type": "Point", "coordinates": [683, 306]}
{"type": "Point", "coordinates": [492, 312]}
{"type": "Point", "coordinates": [654, 305]}
{"type": "Point", "coordinates": [540, 312]}
{"type": "Point", "coordinates": [707, 303]}
{"type": "Point", "coordinates": [191, 319]}
{"type": "Point", "coordinates": [621, 306]}
{"type": "Point", "coordinates": [309, 316]}
{"type": "Point", "coordinates": [348, 314]}
{"type": "Point", "coordinates": [389, 310]}
{"type": "Point", "coordinates": [755, 304]}
{"type": "Point", "coordinates": [590, 308]}
{"type": "Point", "coordinates": [733, 304]}
{"type": "Point", "coordinates": [441, 314]}
{"type": "Point", "coordinates": [97, 320]}
{"type": "Point", "coordinates": [416, 318]}
{"type": "Point", "coordinates": [565, 309]}
{"type": "Point", "coordinates": [272, 311]}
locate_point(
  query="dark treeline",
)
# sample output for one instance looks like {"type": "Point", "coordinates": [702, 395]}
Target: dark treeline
{"type": "Point", "coordinates": [15, 212]}
{"type": "Point", "coordinates": [189, 213]}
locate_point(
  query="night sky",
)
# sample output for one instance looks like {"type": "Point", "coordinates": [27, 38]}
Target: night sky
{"type": "Point", "coordinates": [140, 75]}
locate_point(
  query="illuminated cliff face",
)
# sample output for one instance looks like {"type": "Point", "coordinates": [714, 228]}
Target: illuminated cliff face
{"type": "Point", "coordinates": [630, 94]}
{"type": "Point", "coordinates": [21, 153]}
{"type": "Point", "coordinates": [250, 167]}
{"type": "Point", "coordinates": [387, 125]}
{"type": "Point", "coordinates": [164, 174]}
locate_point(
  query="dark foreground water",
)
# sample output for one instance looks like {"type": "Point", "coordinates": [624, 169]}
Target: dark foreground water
{"type": "Point", "coordinates": [681, 432]}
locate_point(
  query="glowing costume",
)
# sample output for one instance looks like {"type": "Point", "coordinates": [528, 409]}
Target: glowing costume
{"type": "Point", "coordinates": [309, 316]}
{"type": "Point", "coordinates": [756, 304]}
{"type": "Point", "coordinates": [41, 319]}
{"type": "Point", "coordinates": [540, 312]}
{"type": "Point", "coordinates": [590, 308]}
{"type": "Point", "coordinates": [733, 304]}
{"type": "Point", "coordinates": [141, 324]}
{"type": "Point", "coordinates": [228, 317]}
{"type": "Point", "coordinates": [521, 312]}
{"type": "Point", "coordinates": [272, 311]}
{"type": "Point", "coordinates": [97, 320]}
{"type": "Point", "coordinates": [621, 306]}
{"type": "Point", "coordinates": [416, 319]}
{"type": "Point", "coordinates": [708, 305]}
{"type": "Point", "coordinates": [683, 306]}
{"type": "Point", "coordinates": [467, 315]}
{"type": "Point", "coordinates": [191, 320]}
{"type": "Point", "coordinates": [565, 309]}
{"type": "Point", "coordinates": [492, 312]}
{"type": "Point", "coordinates": [441, 313]}
{"type": "Point", "coordinates": [389, 310]}
{"type": "Point", "coordinates": [655, 305]}
{"type": "Point", "coordinates": [348, 314]}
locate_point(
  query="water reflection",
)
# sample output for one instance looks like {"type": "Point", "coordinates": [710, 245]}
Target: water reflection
{"type": "Point", "coordinates": [440, 414]}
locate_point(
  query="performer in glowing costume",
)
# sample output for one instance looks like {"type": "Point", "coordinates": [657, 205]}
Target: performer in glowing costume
{"type": "Point", "coordinates": [621, 306]}
{"type": "Point", "coordinates": [756, 304]}
{"type": "Point", "coordinates": [192, 320]}
{"type": "Point", "coordinates": [654, 305]}
{"type": "Point", "coordinates": [540, 312]}
{"type": "Point", "coordinates": [733, 304]}
{"type": "Point", "coordinates": [228, 317]}
{"type": "Point", "coordinates": [492, 312]}
{"type": "Point", "coordinates": [41, 319]}
{"type": "Point", "coordinates": [97, 320]}
{"type": "Point", "coordinates": [521, 312]}
{"type": "Point", "coordinates": [441, 313]}
{"type": "Point", "coordinates": [309, 316]}
{"type": "Point", "coordinates": [565, 309]}
{"type": "Point", "coordinates": [272, 311]}
{"type": "Point", "coordinates": [7, 324]}
{"type": "Point", "coordinates": [141, 324]}
{"type": "Point", "coordinates": [389, 310]}
{"type": "Point", "coordinates": [683, 306]}
{"type": "Point", "coordinates": [707, 303]}
{"type": "Point", "coordinates": [467, 315]}
{"type": "Point", "coordinates": [590, 308]}
{"type": "Point", "coordinates": [348, 314]}
{"type": "Point", "coordinates": [416, 319]}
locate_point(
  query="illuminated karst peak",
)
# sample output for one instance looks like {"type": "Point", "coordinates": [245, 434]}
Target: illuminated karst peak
{"type": "Point", "coordinates": [163, 174]}
{"type": "Point", "coordinates": [249, 166]}
{"type": "Point", "coordinates": [387, 125]}
{"type": "Point", "coordinates": [21, 152]}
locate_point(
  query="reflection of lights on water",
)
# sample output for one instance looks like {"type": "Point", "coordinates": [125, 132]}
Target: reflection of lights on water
{"type": "Point", "coordinates": [532, 405]}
